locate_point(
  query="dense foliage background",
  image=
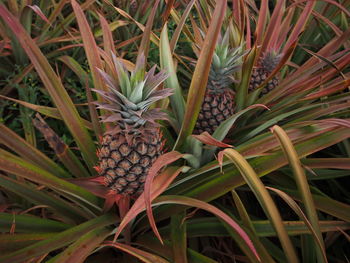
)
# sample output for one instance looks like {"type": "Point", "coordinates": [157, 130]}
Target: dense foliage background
{"type": "Point", "coordinates": [269, 185]}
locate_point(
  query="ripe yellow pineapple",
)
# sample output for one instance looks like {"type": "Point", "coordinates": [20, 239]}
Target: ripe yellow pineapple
{"type": "Point", "coordinates": [129, 149]}
{"type": "Point", "coordinates": [267, 64]}
{"type": "Point", "coordinates": [219, 100]}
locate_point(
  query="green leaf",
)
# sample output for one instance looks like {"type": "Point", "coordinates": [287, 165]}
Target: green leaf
{"type": "Point", "coordinates": [58, 241]}
{"type": "Point", "coordinates": [242, 235]}
{"type": "Point", "coordinates": [138, 253]}
{"type": "Point", "coordinates": [55, 88]}
{"type": "Point", "coordinates": [69, 211]}
{"type": "Point", "coordinates": [200, 76]}
{"type": "Point", "coordinates": [28, 152]}
{"type": "Point", "coordinates": [16, 165]}
{"type": "Point", "coordinates": [179, 237]}
{"type": "Point", "coordinates": [264, 199]}
{"type": "Point", "coordinates": [166, 62]}
{"type": "Point", "coordinates": [303, 186]}
{"type": "Point", "coordinates": [30, 224]}
{"type": "Point", "coordinates": [82, 247]}
{"type": "Point", "coordinates": [90, 46]}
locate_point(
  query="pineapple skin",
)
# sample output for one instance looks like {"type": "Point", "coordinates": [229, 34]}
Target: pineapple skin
{"type": "Point", "coordinates": [124, 163]}
{"type": "Point", "coordinates": [216, 108]}
{"type": "Point", "coordinates": [259, 75]}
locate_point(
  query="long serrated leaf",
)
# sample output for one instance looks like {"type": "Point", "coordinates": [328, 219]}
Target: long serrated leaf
{"type": "Point", "coordinates": [65, 209]}
{"type": "Point", "coordinates": [166, 62]}
{"type": "Point", "coordinates": [160, 183]}
{"type": "Point", "coordinates": [181, 26]}
{"type": "Point", "coordinates": [264, 199]}
{"type": "Point", "coordinates": [301, 181]}
{"type": "Point", "coordinates": [223, 129]}
{"type": "Point", "coordinates": [201, 73]}
{"type": "Point", "coordinates": [265, 256]}
{"type": "Point", "coordinates": [211, 226]}
{"type": "Point", "coordinates": [18, 166]}
{"type": "Point", "coordinates": [212, 209]}
{"type": "Point", "coordinates": [145, 41]}
{"type": "Point", "coordinates": [90, 46]}
{"type": "Point", "coordinates": [28, 152]}
{"type": "Point", "coordinates": [179, 237]}
{"type": "Point", "coordinates": [13, 242]}
{"type": "Point", "coordinates": [138, 253]}
{"type": "Point", "coordinates": [59, 240]}
{"type": "Point", "coordinates": [83, 247]}
{"type": "Point", "coordinates": [47, 111]}
{"type": "Point", "coordinates": [302, 216]}
{"type": "Point", "coordinates": [55, 88]}
{"type": "Point", "coordinates": [63, 152]}
{"type": "Point", "coordinates": [30, 224]}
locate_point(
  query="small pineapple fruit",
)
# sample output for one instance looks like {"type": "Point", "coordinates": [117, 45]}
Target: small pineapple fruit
{"type": "Point", "coordinates": [267, 64]}
{"type": "Point", "coordinates": [218, 102]}
{"type": "Point", "coordinates": [129, 149]}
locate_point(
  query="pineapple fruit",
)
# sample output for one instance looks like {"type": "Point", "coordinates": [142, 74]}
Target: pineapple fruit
{"type": "Point", "coordinates": [131, 146]}
{"type": "Point", "coordinates": [267, 64]}
{"type": "Point", "coordinates": [218, 104]}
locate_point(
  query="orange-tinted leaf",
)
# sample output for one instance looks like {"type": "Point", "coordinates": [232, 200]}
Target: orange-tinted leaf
{"type": "Point", "coordinates": [90, 46]}
{"type": "Point", "coordinates": [161, 162]}
{"type": "Point", "coordinates": [183, 200]}
{"type": "Point", "coordinates": [63, 152]}
{"type": "Point", "coordinates": [40, 13]}
{"type": "Point", "coordinates": [160, 183]}
{"type": "Point", "coordinates": [206, 138]}
{"type": "Point", "coordinates": [200, 75]}
{"type": "Point", "coordinates": [28, 152]}
{"type": "Point", "coordinates": [54, 87]}
{"type": "Point", "coordinates": [330, 163]}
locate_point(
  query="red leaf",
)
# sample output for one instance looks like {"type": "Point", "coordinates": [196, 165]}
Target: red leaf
{"type": "Point", "coordinates": [93, 185]}
{"type": "Point", "coordinates": [184, 200]}
{"type": "Point", "coordinates": [38, 11]}
{"type": "Point", "coordinates": [206, 138]}
{"type": "Point", "coordinates": [161, 162]}
{"type": "Point", "coordinates": [160, 183]}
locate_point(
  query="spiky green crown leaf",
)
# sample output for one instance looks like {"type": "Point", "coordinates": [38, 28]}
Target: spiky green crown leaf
{"type": "Point", "coordinates": [225, 62]}
{"type": "Point", "coordinates": [270, 60]}
{"type": "Point", "coordinates": [129, 102]}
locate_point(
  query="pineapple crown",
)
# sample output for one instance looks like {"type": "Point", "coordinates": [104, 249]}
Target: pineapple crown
{"type": "Point", "coordinates": [129, 99]}
{"type": "Point", "coordinates": [270, 59]}
{"type": "Point", "coordinates": [225, 62]}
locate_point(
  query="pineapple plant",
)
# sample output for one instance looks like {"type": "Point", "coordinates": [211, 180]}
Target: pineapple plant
{"type": "Point", "coordinates": [267, 63]}
{"type": "Point", "coordinates": [134, 141]}
{"type": "Point", "coordinates": [219, 99]}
